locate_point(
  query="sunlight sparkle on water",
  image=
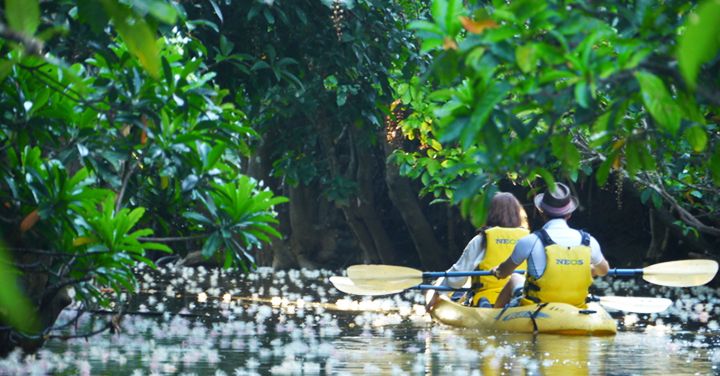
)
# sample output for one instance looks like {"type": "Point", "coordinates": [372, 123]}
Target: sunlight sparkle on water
{"type": "Point", "coordinates": [214, 320]}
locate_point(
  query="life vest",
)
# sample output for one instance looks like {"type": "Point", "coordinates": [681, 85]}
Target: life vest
{"type": "Point", "coordinates": [499, 244]}
{"type": "Point", "coordinates": [567, 276]}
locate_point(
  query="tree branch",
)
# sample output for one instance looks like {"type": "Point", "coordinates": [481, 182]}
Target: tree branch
{"type": "Point", "coordinates": [174, 239]}
{"type": "Point", "coordinates": [126, 178]}
{"type": "Point", "coordinates": [31, 45]}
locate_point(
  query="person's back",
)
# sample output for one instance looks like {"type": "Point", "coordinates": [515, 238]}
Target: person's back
{"type": "Point", "coordinates": [561, 261]}
{"type": "Point", "coordinates": [500, 242]}
{"type": "Point", "coordinates": [506, 223]}
{"type": "Point", "coordinates": [560, 271]}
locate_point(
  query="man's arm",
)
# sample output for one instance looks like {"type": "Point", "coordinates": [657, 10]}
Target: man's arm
{"type": "Point", "coordinates": [521, 252]}
{"type": "Point", "coordinates": [505, 269]}
{"type": "Point", "coordinates": [600, 269]}
{"type": "Point", "coordinates": [597, 268]}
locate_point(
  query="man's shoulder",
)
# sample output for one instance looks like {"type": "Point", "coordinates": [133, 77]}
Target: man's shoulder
{"type": "Point", "coordinates": [528, 240]}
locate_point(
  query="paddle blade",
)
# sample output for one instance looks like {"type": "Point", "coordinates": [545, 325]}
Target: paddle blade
{"type": "Point", "coordinates": [382, 272]}
{"type": "Point", "coordinates": [347, 286]}
{"type": "Point", "coordinates": [635, 304]}
{"type": "Point", "coordinates": [384, 276]}
{"type": "Point", "coordinates": [683, 273]}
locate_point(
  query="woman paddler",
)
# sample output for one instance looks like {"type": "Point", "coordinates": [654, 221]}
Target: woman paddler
{"type": "Point", "coordinates": [506, 224]}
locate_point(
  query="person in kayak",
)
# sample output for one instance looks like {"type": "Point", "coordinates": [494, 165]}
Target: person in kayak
{"type": "Point", "coordinates": [506, 224]}
{"type": "Point", "coordinates": [561, 261]}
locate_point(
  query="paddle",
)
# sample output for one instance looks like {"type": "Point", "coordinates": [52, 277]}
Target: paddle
{"type": "Point", "coordinates": [392, 277]}
{"type": "Point", "coordinates": [619, 303]}
{"type": "Point", "coordinates": [347, 286]}
{"type": "Point", "coordinates": [683, 273]}
{"type": "Point", "coordinates": [634, 304]}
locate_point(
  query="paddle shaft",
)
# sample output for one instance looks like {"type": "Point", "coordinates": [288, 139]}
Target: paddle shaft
{"type": "Point", "coordinates": [472, 273]}
{"type": "Point", "coordinates": [438, 288]}
{"type": "Point", "coordinates": [612, 272]}
{"type": "Point", "coordinates": [625, 272]}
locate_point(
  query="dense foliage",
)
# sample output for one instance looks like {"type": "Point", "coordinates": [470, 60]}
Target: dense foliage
{"type": "Point", "coordinates": [130, 128]}
{"type": "Point", "coordinates": [569, 90]}
{"type": "Point", "coordinates": [113, 130]}
{"type": "Point", "coordinates": [316, 75]}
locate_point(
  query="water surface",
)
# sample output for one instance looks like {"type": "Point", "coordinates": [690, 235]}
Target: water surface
{"type": "Point", "coordinates": [212, 322]}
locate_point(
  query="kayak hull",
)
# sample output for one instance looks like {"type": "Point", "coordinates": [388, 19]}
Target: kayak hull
{"type": "Point", "coordinates": [555, 318]}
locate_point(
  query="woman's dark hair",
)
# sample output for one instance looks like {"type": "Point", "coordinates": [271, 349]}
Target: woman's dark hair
{"type": "Point", "coordinates": [506, 211]}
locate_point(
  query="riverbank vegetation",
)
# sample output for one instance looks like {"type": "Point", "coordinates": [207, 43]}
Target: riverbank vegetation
{"type": "Point", "coordinates": [320, 133]}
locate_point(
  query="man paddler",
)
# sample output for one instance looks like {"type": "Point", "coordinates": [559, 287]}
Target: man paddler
{"type": "Point", "coordinates": [561, 261]}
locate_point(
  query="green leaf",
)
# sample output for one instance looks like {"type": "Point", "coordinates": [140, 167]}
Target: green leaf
{"type": "Point", "coordinates": [714, 165]}
{"type": "Point", "coordinates": [646, 159]}
{"type": "Point", "coordinates": [211, 245]}
{"type": "Point", "coordinates": [581, 94]}
{"type": "Point", "coordinates": [157, 247]}
{"type": "Point", "coordinates": [452, 20]}
{"type": "Point", "coordinates": [197, 217]}
{"type": "Point", "coordinates": [213, 156]}
{"type": "Point", "coordinates": [228, 259]}
{"type": "Point", "coordinates": [657, 200]}
{"type": "Point", "coordinates": [92, 13]}
{"type": "Point", "coordinates": [5, 69]}
{"type": "Point", "coordinates": [603, 172]}
{"type": "Point", "coordinates": [425, 26]}
{"type": "Point", "coordinates": [438, 9]}
{"type": "Point", "coordinates": [160, 9]}
{"type": "Point", "coordinates": [700, 41]}
{"type": "Point", "coordinates": [526, 57]}
{"type": "Point", "coordinates": [547, 177]}
{"type": "Point", "coordinates": [564, 149]}
{"type": "Point", "coordinates": [658, 102]}
{"type": "Point", "coordinates": [137, 35]}
{"type": "Point", "coordinates": [217, 10]}
{"type": "Point", "coordinates": [696, 137]}
{"type": "Point", "coordinates": [645, 195]}
{"type": "Point", "coordinates": [481, 205]}
{"type": "Point", "coordinates": [490, 97]}
{"type": "Point", "coordinates": [23, 16]}
{"type": "Point", "coordinates": [167, 72]}
{"type": "Point", "coordinates": [14, 305]}
{"type": "Point", "coordinates": [632, 158]}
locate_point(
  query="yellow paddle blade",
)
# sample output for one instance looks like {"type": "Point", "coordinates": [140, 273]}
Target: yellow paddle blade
{"type": "Point", "coordinates": [384, 276]}
{"type": "Point", "coordinates": [635, 304]}
{"type": "Point", "coordinates": [347, 286]}
{"type": "Point", "coordinates": [683, 273]}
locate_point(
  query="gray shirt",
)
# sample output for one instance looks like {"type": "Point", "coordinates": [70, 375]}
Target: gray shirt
{"type": "Point", "coordinates": [530, 247]}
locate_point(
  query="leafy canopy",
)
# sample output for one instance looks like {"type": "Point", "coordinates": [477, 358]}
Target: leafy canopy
{"type": "Point", "coordinates": [568, 90]}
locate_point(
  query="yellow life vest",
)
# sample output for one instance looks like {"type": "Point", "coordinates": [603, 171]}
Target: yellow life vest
{"type": "Point", "coordinates": [567, 275]}
{"type": "Point", "coordinates": [499, 244]}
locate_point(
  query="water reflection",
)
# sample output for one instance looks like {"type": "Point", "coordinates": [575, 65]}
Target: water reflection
{"type": "Point", "coordinates": [212, 322]}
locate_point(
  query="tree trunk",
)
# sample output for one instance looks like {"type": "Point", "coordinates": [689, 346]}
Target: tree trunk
{"type": "Point", "coordinates": [357, 163]}
{"type": "Point", "coordinates": [404, 197]}
{"type": "Point", "coordinates": [658, 239]}
{"type": "Point", "coordinates": [303, 223]}
{"type": "Point", "coordinates": [48, 305]}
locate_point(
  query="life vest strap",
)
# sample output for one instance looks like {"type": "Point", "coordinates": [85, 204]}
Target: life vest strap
{"type": "Point", "coordinates": [585, 238]}
{"type": "Point", "coordinates": [544, 237]}
{"type": "Point", "coordinates": [534, 315]}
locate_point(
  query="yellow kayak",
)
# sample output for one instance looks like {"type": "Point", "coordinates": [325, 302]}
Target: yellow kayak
{"type": "Point", "coordinates": [555, 318]}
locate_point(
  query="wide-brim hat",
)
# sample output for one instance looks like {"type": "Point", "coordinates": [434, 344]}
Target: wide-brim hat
{"type": "Point", "coordinates": [557, 203]}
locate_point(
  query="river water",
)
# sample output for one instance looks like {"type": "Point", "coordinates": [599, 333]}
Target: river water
{"type": "Point", "coordinates": [212, 322]}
